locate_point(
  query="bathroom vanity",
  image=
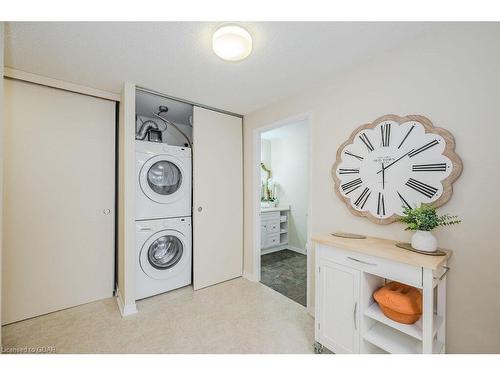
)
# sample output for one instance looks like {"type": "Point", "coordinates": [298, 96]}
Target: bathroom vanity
{"type": "Point", "coordinates": [348, 320]}
{"type": "Point", "coordinates": [274, 228]}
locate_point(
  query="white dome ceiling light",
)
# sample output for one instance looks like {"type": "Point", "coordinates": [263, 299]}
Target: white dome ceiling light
{"type": "Point", "coordinates": [232, 43]}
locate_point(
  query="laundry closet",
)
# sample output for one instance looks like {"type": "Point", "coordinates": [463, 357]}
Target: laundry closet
{"type": "Point", "coordinates": [127, 195]}
{"type": "Point", "coordinates": [163, 194]}
{"type": "Point", "coordinates": [188, 199]}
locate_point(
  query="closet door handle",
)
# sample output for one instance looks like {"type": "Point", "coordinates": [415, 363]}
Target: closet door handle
{"type": "Point", "coordinates": [360, 261]}
{"type": "Point", "coordinates": [354, 315]}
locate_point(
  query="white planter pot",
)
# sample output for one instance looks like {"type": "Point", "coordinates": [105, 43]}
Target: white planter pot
{"type": "Point", "coordinates": [424, 241]}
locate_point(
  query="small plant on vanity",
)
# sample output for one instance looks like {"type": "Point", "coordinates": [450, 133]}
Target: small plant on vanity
{"type": "Point", "coordinates": [423, 220]}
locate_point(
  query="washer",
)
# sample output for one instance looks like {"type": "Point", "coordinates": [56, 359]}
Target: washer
{"type": "Point", "coordinates": [163, 255]}
{"type": "Point", "coordinates": [163, 188]}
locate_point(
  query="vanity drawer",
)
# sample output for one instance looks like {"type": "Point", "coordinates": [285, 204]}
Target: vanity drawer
{"type": "Point", "coordinates": [272, 240]}
{"type": "Point", "coordinates": [388, 269]}
{"type": "Point", "coordinates": [269, 216]}
{"type": "Point", "coordinates": [269, 227]}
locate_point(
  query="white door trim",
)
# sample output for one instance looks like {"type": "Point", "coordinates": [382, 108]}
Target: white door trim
{"type": "Point", "coordinates": [125, 309]}
{"type": "Point", "coordinates": [62, 85]}
{"type": "Point", "coordinates": [256, 191]}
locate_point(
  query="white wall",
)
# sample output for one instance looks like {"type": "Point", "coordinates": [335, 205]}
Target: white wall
{"type": "Point", "coordinates": [265, 155]}
{"type": "Point", "coordinates": [453, 78]}
{"type": "Point", "coordinates": [288, 156]}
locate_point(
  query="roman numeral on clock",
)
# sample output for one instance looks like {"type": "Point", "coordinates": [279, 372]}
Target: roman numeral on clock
{"type": "Point", "coordinates": [348, 171]}
{"type": "Point", "coordinates": [350, 186]}
{"type": "Point", "coordinates": [427, 190]}
{"type": "Point", "coordinates": [381, 204]}
{"type": "Point", "coordinates": [405, 203]}
{"type": "Point", "coordinates": [439, 167]}
{"type": "Point", "coordinates": [366, 141]}
{"type": "Point", "coordinates": [385, 132]}
{"type": "Point", "coordinates": [423, 148]}
{"type": "Point", "coordinates": [363, 197]}
{"type": "Point", "coordinates": [353, 155]}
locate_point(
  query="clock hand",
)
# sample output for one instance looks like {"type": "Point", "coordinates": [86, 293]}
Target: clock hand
{"type": "Point", "coordinates": [395, 161]}
{"type": "Point", "coordinates": [383, 176]}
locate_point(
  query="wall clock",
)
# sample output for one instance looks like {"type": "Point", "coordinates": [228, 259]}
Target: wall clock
{"type": "Point", "coordinates": [395, 162]}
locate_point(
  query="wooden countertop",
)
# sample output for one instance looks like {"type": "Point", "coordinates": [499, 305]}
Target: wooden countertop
{"type": "Point", "coordinates": [383, 248]}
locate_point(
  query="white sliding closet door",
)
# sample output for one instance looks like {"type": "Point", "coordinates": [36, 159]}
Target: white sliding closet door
{"type": "Point", "coordinates": [217, 197]}
{"type": "Point", "coordinates": [59, 186]}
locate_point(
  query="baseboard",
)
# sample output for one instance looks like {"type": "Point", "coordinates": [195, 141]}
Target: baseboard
{"type": "Point", "coordinates": [250, 277]}
{"type": "Point", "coordinates": [310, 310]}
{"type": "Point", "coordinates": [297, 249]}
{"type": "Point", "coordinates": [125, 310]}
{"type": "Point", "coordinates": [284, 247]}
{"type": "Point", "coordinates": [273, 249]}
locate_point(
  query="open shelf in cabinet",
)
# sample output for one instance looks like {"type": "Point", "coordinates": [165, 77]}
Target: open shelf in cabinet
{"type": "Point", "coordinates": [396, 342]}
{"type": "Point", "coordinates": [413, 330]}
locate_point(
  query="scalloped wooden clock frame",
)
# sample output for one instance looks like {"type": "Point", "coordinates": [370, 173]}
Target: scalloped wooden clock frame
{"type": "Point", "coordinates": [449, 152]}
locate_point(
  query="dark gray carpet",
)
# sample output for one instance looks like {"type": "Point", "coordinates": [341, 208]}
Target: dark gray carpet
{"type": "Point", "coordinates": [286, 272]}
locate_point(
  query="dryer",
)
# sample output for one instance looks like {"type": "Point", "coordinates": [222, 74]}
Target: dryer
{"type": "Point", "coordinates": [163, 175]}
{"type": "Point", "coordinates": [164, 254]}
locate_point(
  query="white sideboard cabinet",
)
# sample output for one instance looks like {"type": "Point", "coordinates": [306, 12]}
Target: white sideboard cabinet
{"type": "Point", "coordinates": [348, 320]}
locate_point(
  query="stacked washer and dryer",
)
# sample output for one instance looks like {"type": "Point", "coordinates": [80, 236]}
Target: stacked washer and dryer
{"type": "Point", "coordinates": [163, 202]}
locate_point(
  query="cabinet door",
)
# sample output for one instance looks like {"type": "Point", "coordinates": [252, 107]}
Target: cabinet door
{"type": "Point", "coordinates": [217, 197]}
{"type": "Point", "coordinates": [338, 299]}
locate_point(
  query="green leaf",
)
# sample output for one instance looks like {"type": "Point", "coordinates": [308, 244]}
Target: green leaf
{"type": "Point", "coordinates": [425, 218]}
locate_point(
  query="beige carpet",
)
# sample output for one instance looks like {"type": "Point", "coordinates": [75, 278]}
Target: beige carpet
{"type": "Point", "coordinates": [237, 316]}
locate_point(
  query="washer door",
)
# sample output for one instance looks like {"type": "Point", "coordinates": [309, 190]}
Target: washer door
{"type": "Point", "coordinates": [162, 179]}
{"type": "Point", "coordinates": [163, 255]}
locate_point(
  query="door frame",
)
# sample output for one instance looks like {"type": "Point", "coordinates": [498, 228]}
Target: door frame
{"type": "Point", "coordinates": [256, 191]}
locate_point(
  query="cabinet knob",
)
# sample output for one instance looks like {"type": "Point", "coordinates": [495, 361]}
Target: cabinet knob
{"type": "Point", "coordinates": [200, 208]}
{"type": "Point", "coordinates": [106, 211]}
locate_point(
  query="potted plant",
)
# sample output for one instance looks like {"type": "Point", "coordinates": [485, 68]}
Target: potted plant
{"type": "Point", "coordinates": [423, 220]}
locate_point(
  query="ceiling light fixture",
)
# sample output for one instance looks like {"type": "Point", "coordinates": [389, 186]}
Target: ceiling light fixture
{"type": "Point", "coordinates": [232, 43]}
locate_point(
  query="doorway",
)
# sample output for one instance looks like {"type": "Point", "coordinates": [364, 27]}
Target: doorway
{"type": "Point", "coordinates": [282, 161]}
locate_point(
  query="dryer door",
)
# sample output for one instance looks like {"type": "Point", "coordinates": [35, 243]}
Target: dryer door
{"type": "Point", "coordinates": [164, 254]}
{"type": "Point", "coordinates": [163, 179]}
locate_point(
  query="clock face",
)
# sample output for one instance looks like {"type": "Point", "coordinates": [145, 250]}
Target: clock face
{"type": "Point", "coordinates": [391, 164]}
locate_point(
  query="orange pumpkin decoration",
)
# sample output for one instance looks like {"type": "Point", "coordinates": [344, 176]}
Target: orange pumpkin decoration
{"type": "Point", "coordinates": [399, 302]}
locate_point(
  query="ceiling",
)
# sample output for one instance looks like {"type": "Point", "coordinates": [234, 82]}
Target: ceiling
{"type": "Point", "coordinates": [175, 58]}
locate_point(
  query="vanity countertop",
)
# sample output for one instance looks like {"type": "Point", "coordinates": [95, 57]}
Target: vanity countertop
{"type": "Point", "coordinates": [279, 208]}
{"type": "Point", "coordinates": [383, 248]}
